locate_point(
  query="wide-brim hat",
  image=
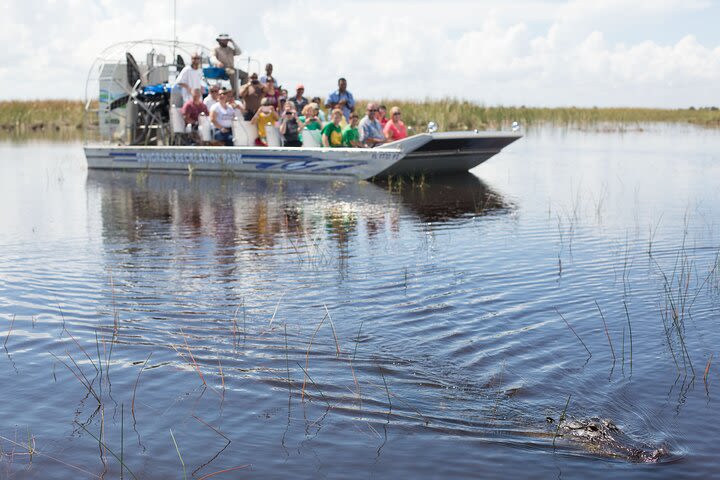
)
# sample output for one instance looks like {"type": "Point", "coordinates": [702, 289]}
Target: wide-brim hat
{"type": "Point", "coordinates": [223, 36]}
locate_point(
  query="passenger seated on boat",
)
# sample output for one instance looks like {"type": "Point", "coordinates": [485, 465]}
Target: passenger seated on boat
{"type": "Point", "coordinates": [266, 115]}
{"type": "Point", "coordinates": [299, 100]}
{"type": "Point", "coordinates": [221, 116]}
{"type": "Point", "coordinates": [291, 126]}
{"type": "Point", "coordinates": [212, 97]}
{"type": "Point", "coordinates": [190, 77]}
{"type": "Point", "coordinates": [281, 108]}
{"type": "Point", "coordinates": [350, 134]}
{"type": "Point", "coordinates": [192, 109]}
{"type": "Point", "coordinates": [382, 115]}
{"type": "Point", "coordinates": [282, 100]}
{"type": "Point", "coordinates": [310, 117]}
{"type": "Point", "coordinates": [272, 93]}
{"type": "Point", "coordinates": [371, 133]}
{"type": "Point", "coordinates": [395, 128]}
{"type": "Point", "coordinates": [320, 114]}
{"type": "Point", "coordinates": [332, 131]}
{"type": "Point", "coordinates": [251, 93]}
{"type": "Point", "coordinates": [237, 106]}
{"type": "Point", "coordinates": [342, 99]}
{"type": "Point", "coordinates": [224, 57]}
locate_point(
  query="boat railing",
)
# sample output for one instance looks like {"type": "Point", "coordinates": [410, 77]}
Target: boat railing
{"type": "Point", "coordinates": [122, 112]}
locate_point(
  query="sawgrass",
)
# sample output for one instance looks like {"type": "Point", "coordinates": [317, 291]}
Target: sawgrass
{"type": "Point", "coordinates": [41, 118]}
{"type": "Point", "coordinates": [63, 119]}
{"type": "Point", "coordinates": [454, 114]}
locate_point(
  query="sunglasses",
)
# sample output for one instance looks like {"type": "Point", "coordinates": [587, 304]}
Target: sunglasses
{"type": "Point", "coordinates": [372, 110]}
{"type": "Point", "coordinates": [397, 113]}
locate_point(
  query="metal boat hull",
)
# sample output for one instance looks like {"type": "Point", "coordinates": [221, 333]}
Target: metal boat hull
{"type": "Point", "coordinates": [424, 154]}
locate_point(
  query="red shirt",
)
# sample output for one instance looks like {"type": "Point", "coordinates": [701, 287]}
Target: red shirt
{"type": "Point", "coordinates": [395, 132]}
{"type": "Point", "coordinates": [192, 111]}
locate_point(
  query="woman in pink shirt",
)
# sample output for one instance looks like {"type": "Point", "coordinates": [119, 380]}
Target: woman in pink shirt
{"type": "Point", "coordinates": [395, 128]}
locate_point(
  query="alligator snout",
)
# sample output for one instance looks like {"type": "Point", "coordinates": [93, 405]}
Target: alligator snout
{"type": "Point", "coordinates": [603, 437]}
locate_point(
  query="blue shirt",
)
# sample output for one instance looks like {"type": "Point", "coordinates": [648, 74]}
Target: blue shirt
{"type": "Point", "coordinates": [336, 96]}
{"type": "Point", "coordinates": [264, 78]}
{"type": "Point", "coordinates": [370, 129]}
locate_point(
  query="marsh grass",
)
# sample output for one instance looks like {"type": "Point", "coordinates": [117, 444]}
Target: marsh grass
{"type": "Point", "coordinates": [455, 114]}
{"type": "Point", "coordinates": [63, 119]}
{"type": "Point", "coordinates": [53, 119]}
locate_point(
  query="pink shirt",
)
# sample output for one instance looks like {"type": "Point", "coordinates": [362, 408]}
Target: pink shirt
{"type": "Point", "coordinates": [395, 132]}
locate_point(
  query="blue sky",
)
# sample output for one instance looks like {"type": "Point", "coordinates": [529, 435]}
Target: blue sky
{"type": "Point", "coordinates": [659, 53]}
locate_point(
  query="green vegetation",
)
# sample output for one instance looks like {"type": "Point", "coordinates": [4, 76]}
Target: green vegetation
{"type": "Point", "coordinates": [62, 119]}
{"type": "Point", "coordinates": [453, 114]}
{"type": "Point", "coordinates": [47, 119]}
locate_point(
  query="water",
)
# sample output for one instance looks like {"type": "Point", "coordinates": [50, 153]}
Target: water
{"type": "Point", "coordinates": [355, 330]}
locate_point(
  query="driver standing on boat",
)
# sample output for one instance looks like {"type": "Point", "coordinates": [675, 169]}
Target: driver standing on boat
{"type": "Point", "coordinates": [190, 77]}
{"type": "Point", "coordinates": [224, 56]}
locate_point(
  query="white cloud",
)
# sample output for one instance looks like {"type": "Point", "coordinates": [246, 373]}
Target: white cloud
{"type": "Point", "coordinates": [526, 52]}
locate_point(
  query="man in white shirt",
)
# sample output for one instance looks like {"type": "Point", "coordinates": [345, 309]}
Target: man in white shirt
{"type": "Point", "coordinates": [212, 97]}
{"type": "Point", "coordinates": [190, 77]}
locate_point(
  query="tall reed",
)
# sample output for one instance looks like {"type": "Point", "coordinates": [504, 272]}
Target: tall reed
{"type": "Point", "coordinates": [63, 119]}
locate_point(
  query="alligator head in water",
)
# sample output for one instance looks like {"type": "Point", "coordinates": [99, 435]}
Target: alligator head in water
{"type": "Point", "coordinates": [603, 437]}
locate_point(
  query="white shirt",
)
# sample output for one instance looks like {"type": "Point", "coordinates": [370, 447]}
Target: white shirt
{"type": "Point", "coordinates": [209, 102]}
{"type": "Point", "coordinates": [223, 116]}
{"type": "Point", "coordinates": [192, 77]}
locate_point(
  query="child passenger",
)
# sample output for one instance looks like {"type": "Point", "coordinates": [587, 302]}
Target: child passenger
{"type": "Point", "coordinates": [332, 132]}
{"type": "Point", "coordinates": [350, 134]}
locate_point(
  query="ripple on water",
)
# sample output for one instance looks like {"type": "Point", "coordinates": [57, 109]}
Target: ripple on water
{"type": "Point", "coordinates": [298, 316]}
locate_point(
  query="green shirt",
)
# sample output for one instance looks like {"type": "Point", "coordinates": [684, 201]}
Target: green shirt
{"type": "Point", "coordinates": [334, 134]}
{"type": "Point", "coordinates": [350, 134]}
{"type": "Point", "coordinates": [312, 125]}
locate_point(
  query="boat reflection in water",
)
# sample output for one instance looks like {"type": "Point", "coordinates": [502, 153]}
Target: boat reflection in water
{"type": "Point", "coordinates": [313, 219]}
{"type": "Point", "coordinates": [448, 198]}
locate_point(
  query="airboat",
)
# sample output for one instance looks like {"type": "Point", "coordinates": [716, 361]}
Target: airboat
{"type": "Point", "coordinates": [132, 122]}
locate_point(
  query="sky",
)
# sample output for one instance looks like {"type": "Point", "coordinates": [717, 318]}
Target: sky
{"type": "Point", "coordinates": [624, 53]}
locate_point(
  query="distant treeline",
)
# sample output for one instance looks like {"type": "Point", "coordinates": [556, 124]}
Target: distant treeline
{"type": "Point", "coordinates": [63, 119]}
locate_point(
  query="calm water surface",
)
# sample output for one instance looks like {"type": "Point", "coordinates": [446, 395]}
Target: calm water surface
{"type": "Point", "coordinates": [356, 330]}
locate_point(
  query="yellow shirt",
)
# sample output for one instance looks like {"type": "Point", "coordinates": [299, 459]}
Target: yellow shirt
{"type": "Point", "coordinates": [263, 120]}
